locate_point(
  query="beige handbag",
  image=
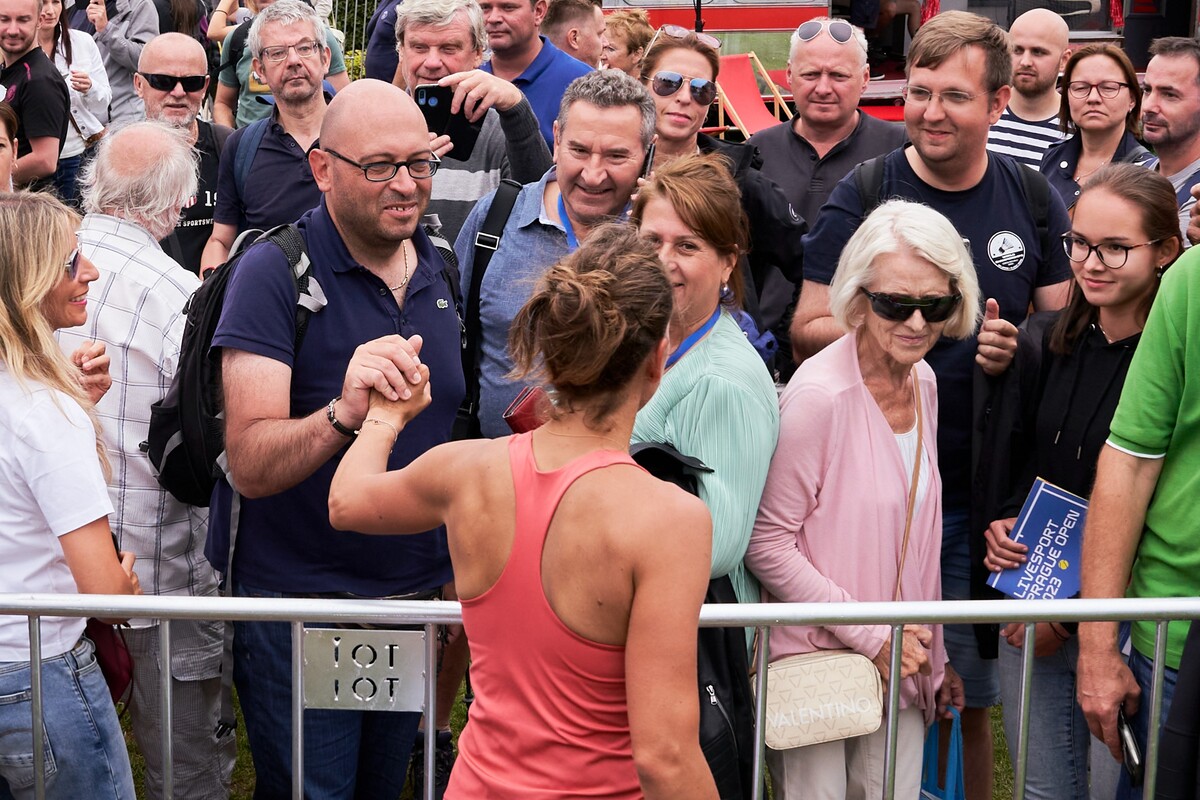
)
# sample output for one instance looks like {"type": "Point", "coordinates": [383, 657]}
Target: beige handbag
{"type": "Point", "coordinates": [832, 694]}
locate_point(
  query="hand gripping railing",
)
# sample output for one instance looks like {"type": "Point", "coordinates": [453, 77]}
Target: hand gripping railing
{"type": "Point", "coordinates": [763, 616]}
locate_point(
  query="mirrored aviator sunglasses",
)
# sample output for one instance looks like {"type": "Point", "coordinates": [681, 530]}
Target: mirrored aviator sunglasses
{"type": "Point", "coordinates": [899, 307]}
{"type": "Point", "coordinates": [666, 84]}
{"type": "Point", "coordinates": [166, 83]}
{"type": "Point", "coordinates": [72, 264]}
{"type": "Point", "coordinates": [679, 32]}
{"type": "Point", "coordinates": [839, 30]}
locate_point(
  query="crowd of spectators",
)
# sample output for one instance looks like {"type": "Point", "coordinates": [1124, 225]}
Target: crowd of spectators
{"type": "Point", "coordinates": [858, 342]}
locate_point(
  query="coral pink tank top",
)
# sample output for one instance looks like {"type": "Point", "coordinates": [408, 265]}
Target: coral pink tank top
{"type": "Point", "coordinates": [550, 718]}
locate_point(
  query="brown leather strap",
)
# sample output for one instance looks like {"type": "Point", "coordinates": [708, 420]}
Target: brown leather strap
{"type": "Point", "coordinates": [916, 476]}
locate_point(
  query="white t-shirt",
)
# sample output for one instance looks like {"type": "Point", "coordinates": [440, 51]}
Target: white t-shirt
{"type": "Point", "coordinates": [50, 484]}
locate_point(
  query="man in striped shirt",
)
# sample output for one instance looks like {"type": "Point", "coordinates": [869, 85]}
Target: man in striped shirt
{"type": "Point", "coordinates": [1029, 125]}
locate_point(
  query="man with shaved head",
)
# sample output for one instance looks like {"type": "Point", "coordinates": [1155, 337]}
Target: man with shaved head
{"type": "Point", "coordinates": [1029, 125]}
{"type": "Point", "coordinates": [290, 414]}
{"type": "Point", "coordinates": [172, 79]}
{"type": "Point", "coordinates": [133, 190]}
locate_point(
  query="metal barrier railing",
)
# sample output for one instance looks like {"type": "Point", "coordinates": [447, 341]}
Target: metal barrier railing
{"type": "Point", "coordinates": [762, 616]}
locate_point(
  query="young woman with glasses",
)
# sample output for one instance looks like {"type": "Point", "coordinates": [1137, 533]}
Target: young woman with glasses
{"type": "Point", "coordinates": [1101, 101]}
{"type": "Point", "coordinates": [1049, 418]}
{"type": "Point", "coordinates": [863, 413]}
{"type": "Point", "coordinates": [680, 70]}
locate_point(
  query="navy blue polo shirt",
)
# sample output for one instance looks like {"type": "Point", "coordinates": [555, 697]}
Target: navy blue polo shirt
{"type": "Point", "coordinates": [279, 188]}
{"type": "Point", "coordinates": [381, 58]}
{"type": "Point", "coordinates": [544, 81]}
{"type": "Point", "coordinates": [285, 542]}
{"type": "Point", "coordinates": [1009, 260]}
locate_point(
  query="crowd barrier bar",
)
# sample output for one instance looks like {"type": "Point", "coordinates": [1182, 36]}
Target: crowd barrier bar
{"type": "Point", "coordinates": [298, 611]}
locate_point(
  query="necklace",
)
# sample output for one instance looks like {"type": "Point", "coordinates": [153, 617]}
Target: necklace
{"type": "Point", "coordinates": [403, 283]}
{"type": "Point", "coordinates": [606, 439]}
{"type": "Point", "coordinates": [1079, 177]}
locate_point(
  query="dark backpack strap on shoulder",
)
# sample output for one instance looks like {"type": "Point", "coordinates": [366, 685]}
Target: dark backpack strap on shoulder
{"type": "Point", "coordinates": [1037, 195]}
{"type": "Point", "coordinates": [310, 297]}
{"type": "Point", "coordinates": [868, 177]}
{"type": "Point", "coordinates": [247, 149]}
{"type": "Point", "coordinates": [487, 241]}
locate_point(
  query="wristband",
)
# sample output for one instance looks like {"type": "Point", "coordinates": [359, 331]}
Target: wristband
{"type": "Point", "coordinates": [1062, 636]}
{"type": "Point", "coordinates": [333, 420]}
{"type": "Point", "coordinates": [220, 11]}
{"type": "Point", "coordinates": [385, 423]}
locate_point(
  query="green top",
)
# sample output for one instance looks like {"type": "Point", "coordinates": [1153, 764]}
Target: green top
{"type": "Point", "coordinates": [1159, 417]}
{"type": "Point", "coordinates": [250, 88]}
{"type": "Point", "coordinates": [718, 404]}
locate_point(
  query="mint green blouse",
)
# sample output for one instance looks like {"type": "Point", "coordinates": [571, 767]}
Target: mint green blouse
{"type": "Point", "coordinates": [718, 404]}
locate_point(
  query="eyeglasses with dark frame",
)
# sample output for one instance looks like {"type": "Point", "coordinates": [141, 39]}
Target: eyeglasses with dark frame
{"type": "Point", "coordinates": [306, 49]}
{"type": "Point", "coordinates": [1111, 254]}
{"type": "Point", "coordinates": [384, 171]}
{"type": "Point", "coordinates": [166, 83]}
{"type": "Point", "coordinates": [666, 83]}
{"type": "Point", "coordinates": [1080, 90]}
{"type": "Point", "coordinates": [899, 307]}
{"type": "Point", "coordinates": [919, 95]}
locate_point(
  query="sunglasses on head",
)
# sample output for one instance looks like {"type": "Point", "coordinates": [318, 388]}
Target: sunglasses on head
{"type": "Point", "coordinates": [666, 84]}
{"type": "Point", "coordinates": [72, 264]}
{"type": "Point", "coordinates": [166, 83]}
{"type": "Point", "coordinates": [899, 307]}
{"type": "Point", "coordinates": [839, 30]}
{"type": "Point", "coordinates": [678, 32]}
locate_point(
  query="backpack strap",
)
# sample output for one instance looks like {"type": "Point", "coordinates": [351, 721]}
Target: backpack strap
{"type": "Point", "coordinates": [450, 275]}
{"type": "Point", "coordinates": [487, 241]}
{"type": "Point", "coordinates": [1037, 194]}
{"type": "Point", "coordinates": [247, 149]}
{"type": "Point", "coordinates": [868, 177]}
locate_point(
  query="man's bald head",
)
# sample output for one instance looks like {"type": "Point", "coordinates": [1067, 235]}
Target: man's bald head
{"type": "Point", "coordinates": [371, 110]}
{"type": "Point", "coordinates": [1040, 47]}
{"type": "Point", "coordinates": [143, 173]}
{"type": "Point", "coordinates": [172, 49]}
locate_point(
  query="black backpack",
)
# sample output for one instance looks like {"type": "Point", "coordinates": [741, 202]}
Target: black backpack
{"type": "Point", "coordinates": [186, 444]}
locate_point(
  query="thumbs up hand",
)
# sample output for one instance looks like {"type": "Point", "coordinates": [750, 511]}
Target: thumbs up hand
{"type": "Point", "coordinates": [997, 340]}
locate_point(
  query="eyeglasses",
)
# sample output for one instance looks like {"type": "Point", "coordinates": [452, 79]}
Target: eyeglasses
{"type": "Point", "coordinates": [1107, 89]}
{"type": "Point", "coordinates": [666, 84]}
{"type": "Point", "coordinates": [678, 32]}
{"type": "Point", "coordinates": [166, 83]}
{"type": "Point", "coordinates": [839, 30]}
{"type": "Point", "coordinates": [1111, 254]}
{"type": "Point", "coordinates": [305, 49]}
{"type": "Point", "coordinates": [72, 264]}
{"type": "Point", "coordinates": [383, 171]}
{"type": "Point", "coordinates": [899, 307]}
{"type": "Point", "coordinates": [919, 95]}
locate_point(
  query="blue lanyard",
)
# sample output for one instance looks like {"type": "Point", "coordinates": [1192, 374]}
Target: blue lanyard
{"type": "Point", "coordinates": [572, 242]}
{"type": "Point", "coordinates": [695, 336]}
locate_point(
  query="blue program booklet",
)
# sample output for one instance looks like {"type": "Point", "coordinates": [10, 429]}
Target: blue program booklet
{"type": "Point", "coordinates": [1051, 526]}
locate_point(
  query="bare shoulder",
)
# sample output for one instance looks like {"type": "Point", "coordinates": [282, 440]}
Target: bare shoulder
{"type": "Point", "coordinates": [657, 514]}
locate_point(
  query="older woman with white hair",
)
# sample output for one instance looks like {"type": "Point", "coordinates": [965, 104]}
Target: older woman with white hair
{"type": "Point", "coordinates": [852, 506]}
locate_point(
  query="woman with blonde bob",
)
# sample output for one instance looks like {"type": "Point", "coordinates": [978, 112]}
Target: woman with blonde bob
{"type": "Point", "coordinates": [54, 507]}
{"type": "Point", "coordinates": [863, 413]}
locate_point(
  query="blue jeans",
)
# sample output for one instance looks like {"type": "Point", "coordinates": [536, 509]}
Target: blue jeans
{"type": "Point", "coordinates": [981, 680]}
{"type": "Point", "coordinates": [66, 179]}
{"type": "Point", "coordinates": [84, 747]}
{"type": "Point", "coordinates": [1142, 668]}
{"type": "Point", "coordinates": [347, 754]}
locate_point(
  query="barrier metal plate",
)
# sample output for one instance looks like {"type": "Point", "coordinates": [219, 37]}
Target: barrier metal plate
{"type": "Point", "coordinates": [364, 670]}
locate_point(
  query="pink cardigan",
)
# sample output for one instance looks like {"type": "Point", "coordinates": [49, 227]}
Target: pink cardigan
{"type": "Point", "coordinates": [831, 520]}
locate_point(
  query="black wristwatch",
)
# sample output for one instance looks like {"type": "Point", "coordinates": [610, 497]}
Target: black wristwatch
{"type": "Point", "coordinates": [333, 420]}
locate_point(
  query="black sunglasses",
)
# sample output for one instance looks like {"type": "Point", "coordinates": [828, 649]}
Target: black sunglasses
{"type": "Point", "coordinates": [666, 84]}
{"type": "Point", "coordinates": [166, 83]}
{"type": "Point", "coordinates": [899, 307]}
{"type": "Point", "coordinates": [839, 30]}
{"type": "Point", "coordinates": [72, 264]}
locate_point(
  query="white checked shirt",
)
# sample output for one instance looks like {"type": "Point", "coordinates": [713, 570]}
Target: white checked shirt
{"type": "Point", "coordinates": [136, 308]}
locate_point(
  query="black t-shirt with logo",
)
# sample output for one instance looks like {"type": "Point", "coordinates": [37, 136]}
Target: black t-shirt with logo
{"type": "Point", "coordinates": [995, 217]}
{"type": "Point", "coordinates": [38, 93]}
{"type": "Point", "coordinates": [187, 242]}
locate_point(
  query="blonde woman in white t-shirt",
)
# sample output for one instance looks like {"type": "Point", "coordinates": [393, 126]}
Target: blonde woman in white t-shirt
{"type": "Point", "coordinates": [54, 506]}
